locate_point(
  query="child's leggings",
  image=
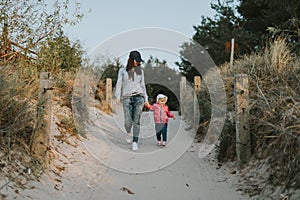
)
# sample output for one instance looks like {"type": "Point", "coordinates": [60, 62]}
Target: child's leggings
{"type": "Point", "coordinates": [161, 129]}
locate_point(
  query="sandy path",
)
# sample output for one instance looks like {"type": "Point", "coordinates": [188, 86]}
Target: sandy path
{"type": "Point", "coordinates": [103, 167]}
{"type": "Point", "coordinates": [187, 178]}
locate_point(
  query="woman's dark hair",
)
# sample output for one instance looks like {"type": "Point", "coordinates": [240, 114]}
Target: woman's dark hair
{"type": "Point", "coordinates": [130, 66]}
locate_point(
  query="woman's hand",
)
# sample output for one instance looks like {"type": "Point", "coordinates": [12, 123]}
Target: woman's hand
{"type": "Point", "coordinates": [118, 101]}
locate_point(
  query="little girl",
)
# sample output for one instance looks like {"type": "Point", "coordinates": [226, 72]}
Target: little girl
{"type": "Point", "coordinates": [161, 117]}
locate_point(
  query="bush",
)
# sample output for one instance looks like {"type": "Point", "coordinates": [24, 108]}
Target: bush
{"type": "Point", "coordinates": [274, 110]}
{"type": "Point", "coordinates": [16, 113]}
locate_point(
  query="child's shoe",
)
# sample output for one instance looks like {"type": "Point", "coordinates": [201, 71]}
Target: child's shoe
{"type": "Point", "coordinates": [164, 143]}
{"type": "Point", "coordinates": [158, 143]}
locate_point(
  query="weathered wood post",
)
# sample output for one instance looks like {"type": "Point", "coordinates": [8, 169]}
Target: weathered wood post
{"type": "Point", "coordinates": [197, 84]}
{"type": "Point", "coordinates": [41, 135]}
{"type": "Point", "coordinates": [182, 94]}
{"type": "Point", "coordinates": [80, 101]}
{"type": "Point", "coordinates": [243, 143]}
{"type": "Point", "coordinates": [231, 52]}
{"type": "Point", "coordinates": [85, 97]}
{"type": "Point", "coordinates": [85, 90]}
{"type": "Point", "coordinates": [109, 92]}
{"type": "Point", "coordinates": [197, 88]}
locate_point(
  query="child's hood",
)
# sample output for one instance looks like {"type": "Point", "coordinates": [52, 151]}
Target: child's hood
{"type": "Point", "coordinates": [160, 96]}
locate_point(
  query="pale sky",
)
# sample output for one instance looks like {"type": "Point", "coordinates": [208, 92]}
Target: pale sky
{"type": "Point", "coordinates": [104, 19]}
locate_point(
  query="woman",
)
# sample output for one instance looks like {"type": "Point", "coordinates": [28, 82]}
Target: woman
{"type": "Point", "coordinates": [134, 95]}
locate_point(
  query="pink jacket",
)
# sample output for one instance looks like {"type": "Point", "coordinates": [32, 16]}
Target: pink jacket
{"type": "Point", "coordinates": [161, 113]}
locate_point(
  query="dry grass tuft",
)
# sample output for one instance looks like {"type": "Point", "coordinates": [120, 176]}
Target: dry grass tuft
{"type": "Point", "coordinates": [17, 109]}
{"type": "Point", "coordinates": [63, 87]}
{"type": "Point", "coordinates": [17, 120]}
{"type": "Point", "coordinates": [100, 96]}
{"type": "Point", "coordinates": [274, 87]}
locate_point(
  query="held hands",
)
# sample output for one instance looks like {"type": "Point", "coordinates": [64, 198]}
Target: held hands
{"type": "Point", "coordinates": [147, 105]}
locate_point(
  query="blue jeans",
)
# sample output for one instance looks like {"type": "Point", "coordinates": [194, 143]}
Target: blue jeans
{"type": "Point", "coordinates": [161, 129]}
{"type": "Point", "coordinates": [133, 107]}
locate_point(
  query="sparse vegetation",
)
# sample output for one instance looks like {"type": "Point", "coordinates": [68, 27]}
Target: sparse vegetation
{"type": "Point", "coordinates": [274, 80]}
{"type": "Point", "coordinates": [16, 114]}
{"type": "Point", "coordinates": [274, 88]}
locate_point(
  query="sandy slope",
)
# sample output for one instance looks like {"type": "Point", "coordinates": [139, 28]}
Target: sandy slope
{"type": "Point", "coordinates": [95, 168]}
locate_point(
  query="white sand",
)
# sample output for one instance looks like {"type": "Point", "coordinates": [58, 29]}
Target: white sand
{"type": "Point", "coordinates": [79, 171]}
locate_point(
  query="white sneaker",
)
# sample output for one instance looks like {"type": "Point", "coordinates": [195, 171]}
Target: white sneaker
{"type": "Point", "coordinates": [135, 146]}
{"type": "Point", "coordinates": [128, 136]}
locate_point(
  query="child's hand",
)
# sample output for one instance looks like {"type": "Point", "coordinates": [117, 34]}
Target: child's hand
{"type": "Point", "coordinates": [174, 117]}
{"type": "Point", "coordinates": [147, 105]}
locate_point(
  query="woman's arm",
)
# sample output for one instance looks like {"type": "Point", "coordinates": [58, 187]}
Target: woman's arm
{"type": "Point", "coordinates": [143, 86]}
{"type": "Point", "coordinates": [119, 86]}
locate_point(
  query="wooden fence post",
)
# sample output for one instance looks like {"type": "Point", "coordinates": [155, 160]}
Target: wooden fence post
{"type": "Point", "coordinates": [197, 84]}
{"type": "Point", "coordinates": [85, 90]}
{"type": "Point", "coordinates": [41, 135]}
{"type": "Point", "coordinates": [84, 112]}
{"type": "Point", "coordinates": [109, 92]}
{"type": "Point", "coordinates": [197, 88]}
{"type": "Point", "coordinates": [243, 143]}
{"type": "Point", "coordinates": [80, 101]}
{"type": "Point", "coordinates": [231, 52]}
{"type": "Point", "coordinates": [182, 94]}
